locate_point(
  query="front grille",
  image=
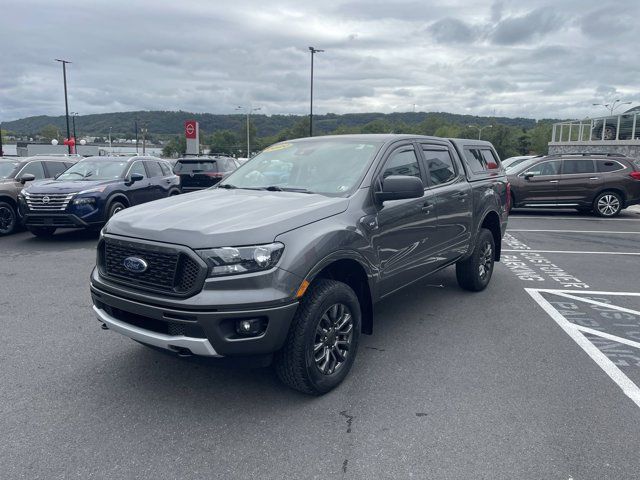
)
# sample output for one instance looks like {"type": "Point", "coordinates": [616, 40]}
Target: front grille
{"type": "Point", "coordinates": [168, 269]}
{"type": "Point", "coordinates": [48, 202]}
{"type": "Point", "coordinates": [51, 221]}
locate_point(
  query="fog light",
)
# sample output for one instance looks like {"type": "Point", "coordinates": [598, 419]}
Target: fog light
{"type": "Point", "coordinates": [251, 327]}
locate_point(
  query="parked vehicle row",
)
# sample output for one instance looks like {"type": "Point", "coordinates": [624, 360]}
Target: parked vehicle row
{"type": "Point", "coordinates": [288, 255]}
{"type": "Point", "coordinates": [604, 184]}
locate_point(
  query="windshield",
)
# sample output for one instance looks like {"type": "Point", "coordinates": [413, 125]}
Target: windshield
{"type": "Point", "coordinates": [7, 168]}
{"type": "Point", "coordinates": [196, 166]}
{"type": "Point", "coordinates": [95, 170]}
{"type": "Point", "coordinates": [327, 166]}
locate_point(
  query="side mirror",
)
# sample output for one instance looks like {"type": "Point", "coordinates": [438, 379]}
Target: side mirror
{"type": "Point", "coordinates": [528, 175]}
{"type": "Point", "coordinates": [398, 187]}
{"type": "Point", "coordinates": [136, 177]}
{"type": "Point", "coordinates": [27, 177]}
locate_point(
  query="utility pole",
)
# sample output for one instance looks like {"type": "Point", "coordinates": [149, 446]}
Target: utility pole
{"type": "Point", "coordinates": [1, 152]}
{"type": "Point", "coordinates": [136, 127]}
{"type": "Point", "coordinates": [249, 111]}
{"type": "Point", "coordinates": [313, 52]}
{"type": "Point", "coordinates": [144, 140]}
{"type": "Point", "coordinates": [110, 147]}
{"type": "Point", "coordinates": [66, 101]}
{"type": "Point", "coordinates": [75, 139]}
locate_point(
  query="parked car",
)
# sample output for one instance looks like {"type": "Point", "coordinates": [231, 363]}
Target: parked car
{"type": "Point", "coordinates": [604, 184]}
{"type": "Point", "coordinates": [93, 190]}
{"type": "Point", "coordinates": [15, 173]}
{"type": "Point", "coordinates": [628, 120]}
{"type": "Point", "coordinates": [294, 269]}
{"type": "Point", "coordinates": [197, 173]}
{"type": "Point", "coordinates": [511, 162]}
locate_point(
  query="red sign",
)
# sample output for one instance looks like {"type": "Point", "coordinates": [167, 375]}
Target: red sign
{"type": "Point", "coordinates": [190, 129]}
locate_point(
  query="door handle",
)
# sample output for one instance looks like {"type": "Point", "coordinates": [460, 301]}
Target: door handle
{"type": "Point", "coordinates": [594, 178]}
{"type": "Point", "coordinates": [426, 208]}
{"type": "Point", "coordinates": [459, 194]}
{"type": "Point", "coordinates": [553, 181]}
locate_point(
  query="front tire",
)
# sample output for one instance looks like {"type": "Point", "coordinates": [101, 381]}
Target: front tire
{"type": "Point", "coordinates": [8, 219]}
{"type": "Point", "coordinates": [607, 204]}
{"type": "Point", "coordinates": [43, 232]}
{"type": "Point", "coordinates": [475, 272]}
{"type": "Point", "coordinates": [114, 208]}
{"type": "Point", "coordinates": [323, 339]}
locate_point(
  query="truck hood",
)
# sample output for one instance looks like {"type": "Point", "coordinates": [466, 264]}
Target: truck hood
{"type": "Point", "coordinates": [62, 186]}
{"type": "Point", "coordinates": [220, 218]}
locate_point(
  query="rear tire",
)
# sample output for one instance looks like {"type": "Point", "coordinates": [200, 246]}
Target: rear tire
{"type": "Point", "coordinates": [8, 219]}
{"type": "Point", "coordinates": [323, 339]}
{"type": "Point", "coordinates": [43, 232]}
{"type": "Point", "coordinates": [607, 204]}
{"type": "Point", "coordinates": [475, 272]}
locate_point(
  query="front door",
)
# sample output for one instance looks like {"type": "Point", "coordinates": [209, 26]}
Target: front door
{"type": "Point", "coordinates": [405, 228]}
{"type": "Point", "coordinates": [540, 183]}
{"type": "Point", "coordinates": [140, 191]}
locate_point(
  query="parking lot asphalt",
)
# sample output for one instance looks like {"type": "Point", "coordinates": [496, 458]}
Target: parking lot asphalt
{"type": "Point", "coordinates": [536, 377]}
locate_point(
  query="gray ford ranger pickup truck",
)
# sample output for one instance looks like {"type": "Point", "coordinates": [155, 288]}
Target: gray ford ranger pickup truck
{"type": "Point", "coordinates": [288, 255]}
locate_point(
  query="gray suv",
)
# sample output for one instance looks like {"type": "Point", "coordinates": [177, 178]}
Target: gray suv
{"type": "Point", "coordinates": [604, 184]}
{"type": "Point", "coordinates": [289, 265]}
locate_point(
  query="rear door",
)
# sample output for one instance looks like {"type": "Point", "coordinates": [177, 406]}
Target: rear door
{"type": "Point", "coordinates": [405, 228]}
{"type": "Point", "coordinates": [141, 191]}
{"type": "Point", "coordinates": [579, 181]}
{"type": "Point", "coordinates": [540, 183]}
{"type": "Point", "coordinates": [156, 177]}
{"type": "Point", "coordinates": [452, 194]}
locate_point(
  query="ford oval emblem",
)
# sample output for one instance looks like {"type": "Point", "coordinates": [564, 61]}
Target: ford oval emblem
{"type": "Point", "coordinates": [135, 264]}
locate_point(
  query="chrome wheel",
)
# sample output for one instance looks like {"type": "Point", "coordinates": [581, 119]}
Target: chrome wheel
{"type": "Point", "coordinates": [486, 261]}
{"type": "Point", "coordinates": [608, 205]}
{"type": "Point", "coordinates": [333, 338]}
{"type": "Point", "coordinates": [609, 133]}
{"type": "Point", "coordinates": [7, 219]}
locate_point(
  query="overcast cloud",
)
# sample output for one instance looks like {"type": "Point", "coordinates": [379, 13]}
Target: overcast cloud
{"type": "Point", "coordinates": [534, 59]}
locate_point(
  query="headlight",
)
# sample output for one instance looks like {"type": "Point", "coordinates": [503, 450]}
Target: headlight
{"type": "Point", "coordinates": [235, 260]}
{"type": "Point", "coordinates": [84, 201]}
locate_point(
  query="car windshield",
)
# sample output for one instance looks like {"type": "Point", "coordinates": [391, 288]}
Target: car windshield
{"type": "Point", "coordinates": [7, 169]}
{"type": "Point", "coordinates": [191, 166]}
{"type": "Point", "coordinates": [325, 166]}
{"type": "Point", "coordinates": [95, 170]}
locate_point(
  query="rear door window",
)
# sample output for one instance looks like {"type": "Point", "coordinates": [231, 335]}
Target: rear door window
{"type": "Point", "coordinates": [490, 160]}
{"type": "Point", "coordinates": [440, 166]}
{"type": "Point", "coordinates": [573, 167]}
{"type": "Point", "coordinates": [165, 168]}
{"type": "Point", "coordinates": [55, 168]}
{"type": "Point", "coordinates": [154, 169]}
{"type": "Point", "coordinates": [481, 160]}
{"type": "Point", "coordinates": [608, 166]}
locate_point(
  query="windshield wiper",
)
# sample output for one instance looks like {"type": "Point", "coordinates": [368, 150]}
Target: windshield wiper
{"type": "Point", "coordinates": [228, 186]}
{"type": "Point", "coordinates": [276, 188]}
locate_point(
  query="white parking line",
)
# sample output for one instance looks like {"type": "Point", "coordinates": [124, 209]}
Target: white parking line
{"type": "Point", "coordinates": [572, 251]}
{"type": "Point", "coordinates": [629, 388]}
{"type": "Point", "coordinates": [608, 336]}
{"type": "Point", "coordinates": [595, 302]}
{"type": "Point", "coordinates": [608, 232]}
{"type": "Point", "coordinates": [538, 217]}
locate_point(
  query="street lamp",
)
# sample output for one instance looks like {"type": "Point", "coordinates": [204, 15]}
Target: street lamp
{"type": "Point", "coordinates": [480, 129]}
{"type": "Point", "coordinates": [612, 105]}
{"type": "Point", "coordinates": [249, 111]}
{"type": "Point", "coordinates": [313, 52]}
{"type": "Point", "coordinates": [66, 101]}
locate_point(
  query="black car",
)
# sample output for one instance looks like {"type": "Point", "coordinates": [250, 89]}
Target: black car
{"type": "Point", "coordinates": [15, 173]}
{"type": "Point", "coordinates": [197, 173]}
{"type": "Point", "coordinates": [288, 255]}
{"type": "Point", "coordinates": [94, 190]}
{"type": "Point", "coordinates": [618, 127]}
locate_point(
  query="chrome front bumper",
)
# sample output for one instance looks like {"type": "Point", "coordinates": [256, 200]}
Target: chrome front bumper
{"type": "Point", "coordinates": [197, 346]}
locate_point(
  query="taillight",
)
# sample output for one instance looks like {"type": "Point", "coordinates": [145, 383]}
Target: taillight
{"type": "Point", "coordinates": [508, 196]}
{"type": "Point", "coordinates": [635, 175]}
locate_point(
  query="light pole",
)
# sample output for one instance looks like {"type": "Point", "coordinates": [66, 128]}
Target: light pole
{"type": "Point", "coordinates": [480, 129]}
{"type": "Point", "coordinates": [110, 147]}
{"type": "Point", "coordinates": [135, 123]}
{"type": "Point", "coordinates": [313, 52]}
{"type": "Point", "coordinates": [249, 111]}
{"type": "Point", "coordinates": [66, 101]}
{"type": "Point", "coordinates": [144, 139]}
{"type": "Point", "coordinates": [611, 106]}
{"type": "Point", "coordinates": [75, 140]}
{"type": "Point", "coordinates": [1, 152]}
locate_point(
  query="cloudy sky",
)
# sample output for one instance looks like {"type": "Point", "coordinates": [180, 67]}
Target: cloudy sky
{"type": "Point", "coordinates": [535, 59]}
